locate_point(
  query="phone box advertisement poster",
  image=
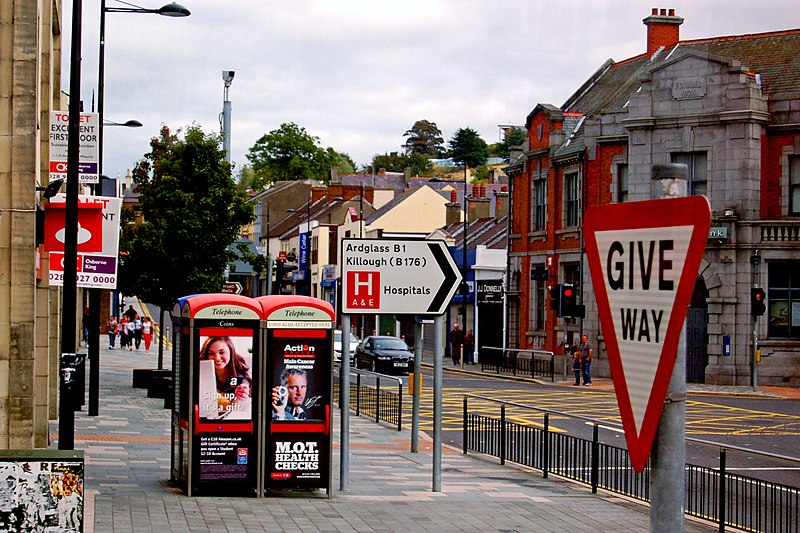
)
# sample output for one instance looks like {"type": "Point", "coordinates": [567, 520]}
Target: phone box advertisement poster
{"type": "Point", "coordinates": [225, 404]}
{"type": "Point", "coordinates": [300, 360]}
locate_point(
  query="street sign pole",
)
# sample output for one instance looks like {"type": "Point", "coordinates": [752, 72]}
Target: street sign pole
{"type": "Point", "coordinates": [344, 406]}
{"type": "Point", "coordinates": [668, 458]}
{"type": "Point", "coordinates": [417, 386]}
{"type": "Point", "coordinates": [438, 356]}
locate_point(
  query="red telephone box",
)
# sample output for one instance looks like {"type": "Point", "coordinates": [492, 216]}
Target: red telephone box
{"type": "Point", "coordinates": [298, 385]}
{"type": "Point", "coordinates": [216, 368]}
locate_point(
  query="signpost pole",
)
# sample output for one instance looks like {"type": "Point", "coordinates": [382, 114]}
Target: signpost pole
{"type": "Point", "coordinates": [344, 405]}
{"type": "Point", "coordinates": [417, 386]}
{"type": "Point", "coordinates": [438, 356]}
{"type": "Point", "coordinates": [668, 455]}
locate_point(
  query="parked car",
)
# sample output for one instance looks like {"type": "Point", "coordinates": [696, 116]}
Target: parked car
{"type": "Point", "coordinates": [337, 346]}
{"type": "Point", "coordinates": [384, 354]}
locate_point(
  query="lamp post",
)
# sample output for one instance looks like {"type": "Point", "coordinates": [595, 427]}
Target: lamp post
{"type": "Point", "coordinates": [464, 287]}
{"type": "Point", "coordinates": [167, 10]}
{"type": "Point", "coordinates": [304, 261]}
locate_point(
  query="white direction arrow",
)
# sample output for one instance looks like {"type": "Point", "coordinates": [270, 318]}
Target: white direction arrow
{"type": "Point", "coordinates": [395, 276]}
{"type": "Point", "coordinates": [644, 257]}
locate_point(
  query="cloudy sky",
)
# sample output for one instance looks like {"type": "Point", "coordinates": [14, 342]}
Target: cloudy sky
{"type": "Point", "coordinates": [358, 73]}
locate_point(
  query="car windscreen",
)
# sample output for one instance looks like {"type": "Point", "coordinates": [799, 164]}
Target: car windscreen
{"type": "Point", "coordinates": [390, 344]}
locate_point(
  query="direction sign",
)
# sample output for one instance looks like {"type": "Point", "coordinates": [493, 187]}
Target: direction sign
{"type": "Point", "coordinates": [232, 287]}
{"type": "Point", "coordinates": [643, 258]}
{"type": "Point", "coordinates": [395, 276]}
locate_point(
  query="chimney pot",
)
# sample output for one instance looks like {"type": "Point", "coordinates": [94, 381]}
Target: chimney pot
{"type": "Point", "coordinates": [671, 12]}
{"type": "Point", "coordinates": [663, 12]}
{"type": "Point", "coordinates": [453, 196]}
{"type": "Point", "coordinates": [654, 11]}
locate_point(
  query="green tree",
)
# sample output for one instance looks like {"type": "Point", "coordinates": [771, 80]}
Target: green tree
{"type": "Point", "coordinates": [467, 147]}
{"type": "Point", "coordinates": [190, 211]}
{"type": "Point", "coordinates": [420, 164]}
{"type": "Point", "coordinates": [514, 137]}
{"type": "Point", "coordinates": [288, 153]}
{"type": "Point", "coordinates": [424, 137]}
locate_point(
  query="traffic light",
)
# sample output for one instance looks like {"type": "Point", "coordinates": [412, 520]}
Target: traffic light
{"type": "Point", "coordinates": [282, 284]}
{"type": "Point", "coordinates": [555, 299]}
{"type": "Point", "coordinates": [569, 298]}
{"type": "Point", "coordinates": [757, 298]}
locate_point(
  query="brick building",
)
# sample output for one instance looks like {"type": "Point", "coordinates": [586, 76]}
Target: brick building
{"type": "Point", "coordinates": [729, 108]}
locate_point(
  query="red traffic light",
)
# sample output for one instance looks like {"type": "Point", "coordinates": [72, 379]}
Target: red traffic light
{"type": "Point", "coordinates": [567, 292]}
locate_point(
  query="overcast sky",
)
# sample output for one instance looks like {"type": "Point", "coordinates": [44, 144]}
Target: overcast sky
{"type": "Point", "coordinates": [359, 73]}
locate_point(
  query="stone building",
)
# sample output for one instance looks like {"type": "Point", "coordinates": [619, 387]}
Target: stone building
{"type": "Point", "coordinates": [30, 73]}
{"type": "Point", "coordinates": [729, 108]}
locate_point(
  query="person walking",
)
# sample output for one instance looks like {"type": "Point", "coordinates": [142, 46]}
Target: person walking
{"type": "Point", "coordinates": [147, 332]}
{"type": "Point", "coordinates": [112, 328]}
{"type": "Point", "coordinates": [456, 342]}
{"type": "Point", "coordinates": [469, 348]}
{"type": "Point", "coordinates": [130, 331]}
{"type": "Point", "coordinates": [586, 360]}
{"type": "Point", "coordinates": [123, 332]}
{"type": "Point", "coordinates": [137, 330]}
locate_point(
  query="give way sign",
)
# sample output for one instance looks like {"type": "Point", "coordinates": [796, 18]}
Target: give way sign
{"type": "Point", "coordinates": [643, 258]}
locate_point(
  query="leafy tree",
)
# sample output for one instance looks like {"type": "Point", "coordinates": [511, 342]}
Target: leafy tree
{"type": "Point", "coordinates": [289, 153]}
{"type": "Point", "coordinates": [514, 137]}
{"type": "Point", "coordinates": [420, 164]}
{"type": "Point", "coordinates": [190, 211]}
{"type": "Point", "coordinates": [424, 137]}
{"type": "Point", "coordinates": [467, 147]}
{"type": "Point", "coordinates": [341, 161]}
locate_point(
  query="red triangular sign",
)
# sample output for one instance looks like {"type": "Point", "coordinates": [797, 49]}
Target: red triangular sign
{"type": "Point", "coordinates": [644, 257]}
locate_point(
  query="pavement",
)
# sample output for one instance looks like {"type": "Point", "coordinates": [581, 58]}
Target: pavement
{"type": "Point", "coordinates": [127, 488]}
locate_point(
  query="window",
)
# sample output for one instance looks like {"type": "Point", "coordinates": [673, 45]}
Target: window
{"type": "Point", "coordinates": [541, 298]}
{"type": "Point", "coordinates": [314, 250]}
{"type": "Point", "coordinates": [622, 183]}
{"type": "Point", "coordinates": [571, 196]}
{"type": "Point", "coordinates": [783, 301]}
{"type": "Point", "coordinates": [698, 164]}
{"type": "Point", "coordinates": [539, 198]}
{"type": "Point", "coordinates": [794, 185]}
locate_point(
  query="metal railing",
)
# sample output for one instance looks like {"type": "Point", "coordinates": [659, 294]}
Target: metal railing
{"type": "Point", "coordinates": [373, 395]}
{"type": "Point", "coordinates": [532, 363]}
{"type": "Point", "coordinates": [712, 493]}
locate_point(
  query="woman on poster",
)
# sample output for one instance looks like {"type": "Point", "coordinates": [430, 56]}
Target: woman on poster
{"type": "Point", "coordinates": [232, 373]}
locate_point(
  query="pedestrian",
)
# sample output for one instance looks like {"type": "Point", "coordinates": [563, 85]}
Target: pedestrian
{"type": "Point", "coordinates": [112, 328]}
{"type": "Point", "coordinates": [576, 365]}
{"type": "Point", "coordinates": [130, 331]}
{"type": "Point", "coordinates": [469, 348]}
{"type": "Point", "coordinates": [456, 343]}
{"type": "Point", "coordinates": [130, 313]}
{"type": "Point", "coordinates": [586, 360]}
{"type": "Point", "coordinates": [85, 327]}
{"type": "Point", "coordinates": [137, 330]}
{"type": "Point", "coordinates": [147, 332]}
{"type": "Point", "coordinates": [123, 332]}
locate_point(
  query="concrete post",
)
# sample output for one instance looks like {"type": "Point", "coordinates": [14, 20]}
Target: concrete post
{"type": "Point", "coordinates": [344, 405]}
{"type": "Point", "coordinates": [668, 455]}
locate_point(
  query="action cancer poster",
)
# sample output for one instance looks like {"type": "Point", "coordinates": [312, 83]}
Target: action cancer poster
{"type": "Point", "coordinates": [300, 362]}
{"type": "Point", "coordinates": [225, 404]}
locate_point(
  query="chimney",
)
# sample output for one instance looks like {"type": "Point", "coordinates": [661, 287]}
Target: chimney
{"type": "Point", "coordinates": [453, 209]}
{"type": "Point", "coordinates": [501, 203]}
{"type": "Point", "coordinates": [663, 30]}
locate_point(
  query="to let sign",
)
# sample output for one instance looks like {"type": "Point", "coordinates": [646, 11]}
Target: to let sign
{"type": "Point", "coordinates": [643, 258]}
{"type": "Point", "coordinates": [395, 276]}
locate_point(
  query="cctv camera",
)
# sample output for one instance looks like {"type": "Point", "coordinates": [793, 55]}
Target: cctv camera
{"type": "Point", "coordinates": [227, 75]}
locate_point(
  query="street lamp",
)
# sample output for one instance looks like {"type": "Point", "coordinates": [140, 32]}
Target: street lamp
{"type": "Point", "coordinates": [168, 10]}
{"type": "Point", "coordinates": [464, 286]}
